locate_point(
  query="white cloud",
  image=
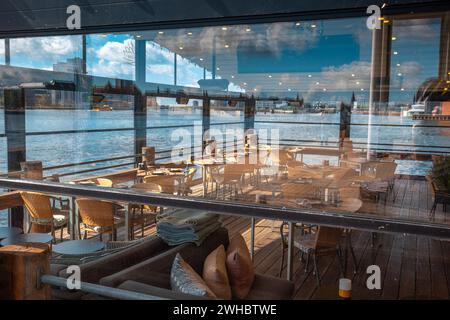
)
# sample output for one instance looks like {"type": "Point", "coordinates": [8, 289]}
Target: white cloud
{"type": "Point", "coordinates": [48, 47]}
{"type": "Point", "coordinates": [112, 60]}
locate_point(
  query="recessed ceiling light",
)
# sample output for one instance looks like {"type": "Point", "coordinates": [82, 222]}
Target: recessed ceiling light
{"type": "Point", "coordinates": [201, 59]}
{"type": "Point", "coordinates": [317, 83]}
{"type": "Point", "coordinates": [357, 82]}
{"type": "Point", "coordinates": [353, 74]}
{"type": "Point", "coordinates": [255, 89]}
{"type": "Point", "coordinates": [270, 76]}
{"type": "Point", "coordinates": [362, 89]}
{"type": "Point", "coordinates": [248, 29]}
{"type": "Point", "coordinates": [395, 52]}
{"type": "Point", "coordinates": [218, 68]}
{"type": "Point", "coordinates": [181, 48]}
{"type": "Point", "coordinates": [289, 89]}
{"type": "Point", "coordinates": [402, 89]}
{"type": "Point", "coordinates": [313, 26]}
{"type": "Point", "coordinates": [160, 32]}
{"type": "Point", "coordinates": [232, 77]}
{"type": "Point", "coordinates": [297, 24]}
{"type": "Point", "coordinates": [394, 38]}
{"type": "Point", "coordinates": [224, 28]}
{"type": "Point", "coordinates": [245, 83]}
{"type": "Point", "coordinates": [280, 83]}
{"type": "Point", "coordinates": [227, 46]}
{"type": "Point", "coordinates": [398, 64]}
{"type": "Point", "coordinates": [189, 33]}
{"type": "Point", "coordinates": [399, 74]}
{"type": "Point", "coordinates": [324, 89]}
{"type": "Point", "coordinates": [309, 76]}
{"type": "Point", "coordinates": [138, 36]}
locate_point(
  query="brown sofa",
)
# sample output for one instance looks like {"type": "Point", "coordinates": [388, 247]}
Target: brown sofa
{"type": "Point", "coordinates": [152, 276]}
{"type": "Point", "coordinates": [94, 270]}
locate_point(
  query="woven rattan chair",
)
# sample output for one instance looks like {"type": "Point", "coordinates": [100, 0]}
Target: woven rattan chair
{"type": "Point", "coordinates": [41, 212]}
{"type": "Point", "coordinates": [139, 212]}
{"type": "Point", "coordinates": [98, 216]}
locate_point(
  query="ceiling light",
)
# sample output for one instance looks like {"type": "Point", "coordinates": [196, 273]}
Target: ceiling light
{"type": "Point", "coordinates": [248, 29]}
{"type": "Point", "coordinates": [317, 83]}
{"type": "Point", "coordinates": [289, 89]}
{"type": "Point", "coordinates": [309, 76]}
{"type": "Point", "coordinates": [138, 36]}
{"type": "Point", "coordinates": [362, 89]}
{"type": "Point", "coordinates": [224, 28]}
{"type": "Point", "coordinates": [398, 64]}
{"type": "Point", "coordinates": [245, 83]}
{"type": "Point", "coordinates": [189, 33]}
{"type": "Point", "coordinates": [313, 26]}
{"type": "Point", "coordinates": [218, 68]}
{"type": "Point", "coordinates": [395, 52]}
{"type": "Point", "coordinates": [160, 32]}
{"type": "Point", "coordinates": [394, 38]}
{"type": "Point", "coordinates": [280, 83]}
{"type": "Point", "coordinates": [402, 89]}
{"type": "Point", "coordinates": [201, 59]}
{"type": "Point", "coordinates": [381, 18]}
{"type": "Point", "coordinates": [357, 82]}
{"type": "Point", "coordinates": [297, 24]}
{"type": "Point", "coordinates": [270, 76]}
{"type": "Point", "coordinates": [232, 77]}
{"type": "Point", "coordinates": [181, 48]}
{"type": "Point", "coordinates": [255, 89]}
{"type": "Point", "coordinates": [399, 74]}
{"type": "Point", "coordinates": [353, 74]}
{"type": "Point", "coordinates": [324, 89]}
{"type": "Point", "coordinates": [227, 46]}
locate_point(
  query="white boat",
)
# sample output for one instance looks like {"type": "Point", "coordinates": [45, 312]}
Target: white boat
{"type": "Point", "coordinates": [415, 109]}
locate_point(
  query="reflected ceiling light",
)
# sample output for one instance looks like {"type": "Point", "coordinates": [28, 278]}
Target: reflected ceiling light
{"type": "Point", "coordinates": [181, 48]}
{"type": "Point", "coordinates": [201, 59]}
{"type": "Point", "coordinates": [395, 52]}
{"type": "Point", "coordinates": [399, 74]}
{"type": "Point", "coordinates": [386, 21]}
{"type": "Point", "coordinates": [227, 46]}
{"type": "Point", "coordinates": [313, 26]}
{"type": "Point", "coordinates": [394, 38]}
{"type": "Point", "coordinates": [248, 29]}
{"type": "Point", "coordinates": [245, 83]}
{"type": "Point", "coordinates": [324, 89]}
{"type": "Point", "coordinates": [289, 89]}
{"type": "Point", "coordinates": [160, 32]}
{"type": "Point", "coordinates": [104, 35]}
{"type": "Point", "coordinates": [280, 83]}
{"type": "Point", "coordinates": [448, 81]}
{"type": "Point", "coordinates": [232, 77]}
{"type": "Point", "coordinates": [189, 33]}
{"type": "Point", "coordinates": [270, 76]}
{"type": "Point", "coordinates": [362, 89]}
{"type": "Point", "coordinates": [255, 89]}
{"type": "Point", "coordinates": [224, 28]}
{"type": "Point", "coordinates": [448, 73]}
{"type": "Point", "coordinates": [445, 89]}
{"type": "Point", "coordinates": [381, 18]}
{"type": "Point", "coordinates": [398, 64]}
{"type": "Point", "coordinates": [309, 76]}
{"type": "Point", "coordinates": [357, 82]}
{"type": "Point", "coordinates": [353, 74]}
{"type": "Point", "coordinates": [218, 68]}
{"type": "Point", "coordinates": [384, 5]}
{"type": "Point", "coordinates": [138, 36]}
{"type": "Point", "coordinates": [402, 89]}
{"type": "Point", "coordinates": [317, 83]}
{"type": "Point", "coordinates": [297, 24]}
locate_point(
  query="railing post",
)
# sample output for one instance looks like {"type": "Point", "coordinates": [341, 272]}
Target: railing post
{"type": "Point", "coordinates": [206, 121]}
{"type": "Point", "coordinates": [15, 140]}
{"type": "Point", "coordinates": [21, 267]}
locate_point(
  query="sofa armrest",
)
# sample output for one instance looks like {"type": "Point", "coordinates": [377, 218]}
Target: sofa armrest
{"type": "Point", "coordinates": [157, 292]}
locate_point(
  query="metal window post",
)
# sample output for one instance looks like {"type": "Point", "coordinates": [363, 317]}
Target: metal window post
{"type": "Point", "coordinates": [140, 100]}
{"type": "Point", "coordinates": [15, 140]}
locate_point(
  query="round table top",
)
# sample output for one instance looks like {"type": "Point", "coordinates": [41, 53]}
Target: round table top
{"type": "Point", "coordinates": [27, 237]}
{"type": "Point", "coordinates": [78, 247]}
{"type": "Point", "coordinates": [6, 232]}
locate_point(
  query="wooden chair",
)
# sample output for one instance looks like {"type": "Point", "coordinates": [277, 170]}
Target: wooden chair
{"type": "Point", "coordinates": [187, 182]}
{"type": "Point", "coordinates": [325, 241]}
{"type": "Point", "coordinates": [143, 218]}
{"type": "Point", "coordinates": [98, 216]}
{"type": "Point", "coordinates": [229, 177]}
{"type": "Point", "coordinates": [41, 212]}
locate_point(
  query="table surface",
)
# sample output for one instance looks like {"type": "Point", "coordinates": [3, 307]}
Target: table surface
{"type": "Point", "coordinates": [78, 247]}
{"type": "Point", "coordinates": [27, 237]}
{"type": "Point", "coordinates": [6, 232]}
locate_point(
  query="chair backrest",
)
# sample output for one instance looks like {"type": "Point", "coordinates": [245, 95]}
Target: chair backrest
{"type": "Point", "coordinates": [148, 186]}
{"type": "Point", "coordinates": [431, 184]}
{"type": "Point", "coordinates": [233, 171]}
{"type": "Point", "coordinates": [103, 182]}
{"type": "Point", "coordinates": [38, 205]}
{"type": "Point", "coordinates": [96, 212]}
{"type": "Point", "coordinates": [298, 190]}
{"type": "Point", "coordinates": [385, 170]}
{"type": "Point", "coordinates": [328, 237]}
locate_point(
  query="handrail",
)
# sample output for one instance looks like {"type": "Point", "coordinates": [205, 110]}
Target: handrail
{"type": "Point", "coordinates": [109, 292]}
{"type": "Point", "coordinates": [343, 220]}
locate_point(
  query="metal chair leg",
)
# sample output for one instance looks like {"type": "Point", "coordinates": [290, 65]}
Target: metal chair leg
{"type": "Point", "coordinates": [281, 262]}
{"type": "Point", "coordinates": [316, 269]}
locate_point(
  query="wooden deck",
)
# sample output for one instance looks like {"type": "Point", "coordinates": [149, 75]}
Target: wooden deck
{"type": "Point", "coordinates": [412, 267]}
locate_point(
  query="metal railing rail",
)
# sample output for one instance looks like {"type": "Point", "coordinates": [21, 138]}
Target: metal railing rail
{"type": "Point", "coordinates": [100, 290]}
{"type": "Point", "coordinates": [344, 220]}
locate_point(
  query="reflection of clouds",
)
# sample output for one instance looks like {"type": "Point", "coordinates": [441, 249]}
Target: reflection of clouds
{"type": "Point", "coordinates": [112, 61]}
{"type": "Point", "coordinates": [416, 29]}
{"type": "Point", "coordinates": [43, 48]}
{"type": "Point", "coordinates": [2, 47]}
{"type": "Point", "coordinates": [410, 75]}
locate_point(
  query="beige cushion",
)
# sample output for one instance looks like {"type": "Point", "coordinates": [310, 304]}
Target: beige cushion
{"type": "Point", "coordinates": [215, 273]}
{"type": "Point", "coordinates": [240, 267]}
{"type": "Point", "coordinates": [184, 279]}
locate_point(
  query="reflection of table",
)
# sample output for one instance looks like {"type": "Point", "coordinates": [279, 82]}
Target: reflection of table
{"type": "Point", "coordinates": [27, 238]}
{"type": "Point", "coordinates": [78, 247]}
{"type": "Point", "coordinates": [332, 152]}
{"type": "Point", "coordinates": [6, 232]}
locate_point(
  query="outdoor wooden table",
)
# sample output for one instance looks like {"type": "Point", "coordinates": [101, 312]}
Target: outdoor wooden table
{"type": "Point", "coordinates": [78, 247]}
{"type": "Point", "coordinates": [27, 238]}
{"type": "Point", "coordinates": [332, 152]}
{"type": "Point", "coordinates": [205, 163]}
{"type": "Point", "coordinates": [6, 232]}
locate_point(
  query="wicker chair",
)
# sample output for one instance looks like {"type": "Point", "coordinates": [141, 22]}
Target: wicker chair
{"type": "Point", "coordinates": [439, 197]}
{"type": "Point", "coordinates": [142, 218]}
{"type": "Point", "coordinates": [98, 216]}
{"type": "Point", "coordinates": [41, 212]}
